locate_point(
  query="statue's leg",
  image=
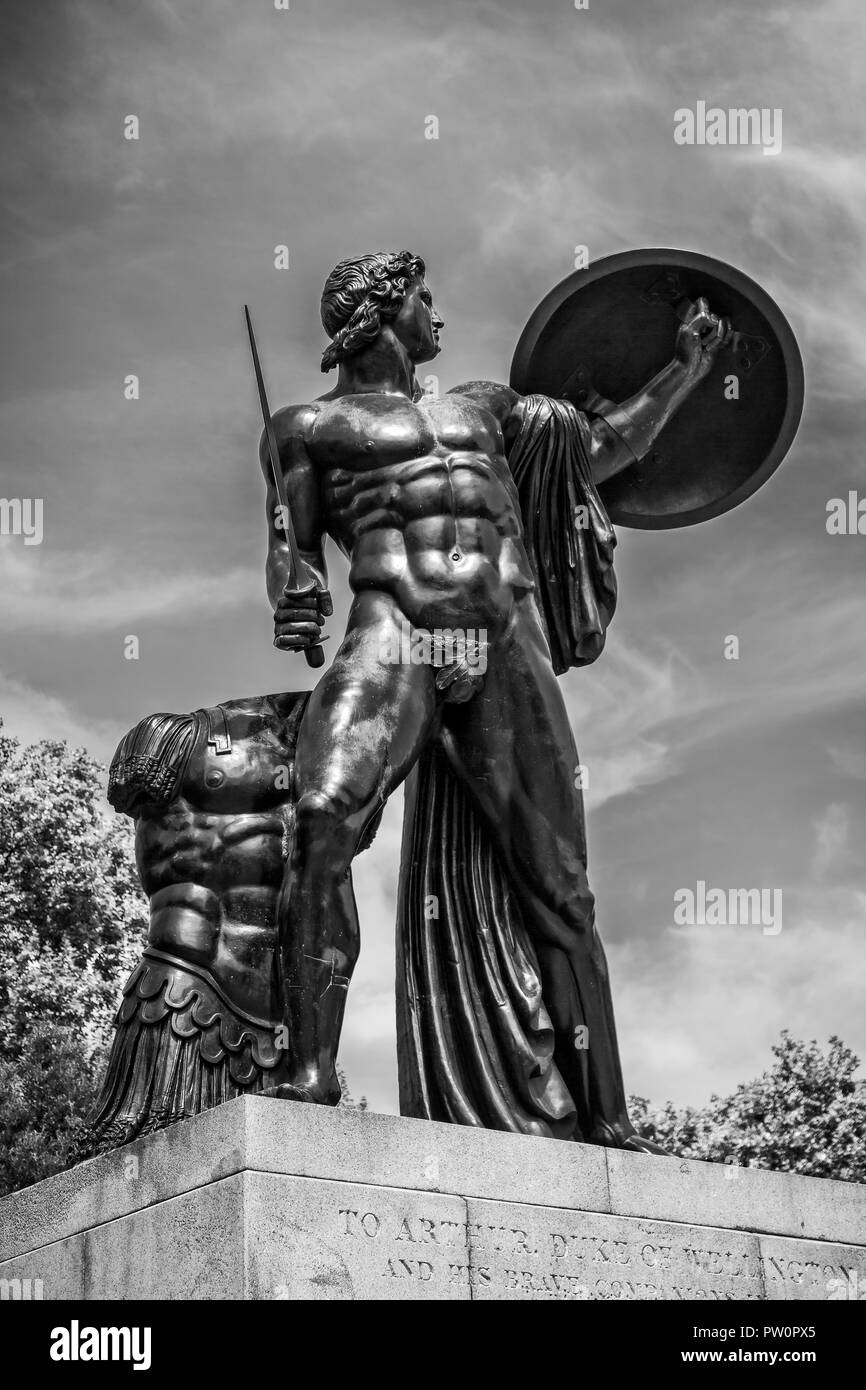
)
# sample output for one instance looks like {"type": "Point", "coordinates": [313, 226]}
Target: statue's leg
{"type": "Point", "coordinates": [364, 727]}
{"type": "Point", "coordinates": [513, 748]}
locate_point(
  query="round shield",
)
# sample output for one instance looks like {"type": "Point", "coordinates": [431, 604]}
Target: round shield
{"type": "Point", "coordinates": [606, 331]}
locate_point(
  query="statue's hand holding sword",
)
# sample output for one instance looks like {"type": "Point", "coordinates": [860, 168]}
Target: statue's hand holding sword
{"type": "Point", "coordinates": [303, 603]}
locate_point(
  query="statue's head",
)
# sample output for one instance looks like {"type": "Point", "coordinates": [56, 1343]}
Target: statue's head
{"type": "Point", "coordinates": [363, 294]}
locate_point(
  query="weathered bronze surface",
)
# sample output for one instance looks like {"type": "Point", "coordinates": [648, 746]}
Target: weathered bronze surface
{"type": "Point", "coordinates": [481, 562]}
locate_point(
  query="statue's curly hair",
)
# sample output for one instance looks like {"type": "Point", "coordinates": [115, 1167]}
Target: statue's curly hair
{"type": "Point", "coordinates": [358, 295]}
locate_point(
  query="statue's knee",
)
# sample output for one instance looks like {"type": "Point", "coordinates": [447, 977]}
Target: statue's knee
{"type": "Point", "coordinates": [322, 829]}
{"type": "Point", "coordinates": [318, 815]}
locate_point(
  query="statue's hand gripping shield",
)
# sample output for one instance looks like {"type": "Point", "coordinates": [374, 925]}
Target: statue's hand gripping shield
{"type": "Point", "coordinates": [604, 332]}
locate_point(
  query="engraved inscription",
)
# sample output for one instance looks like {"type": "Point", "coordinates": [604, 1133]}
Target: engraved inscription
{"type": "Point", "coordinates": [508, 1251]}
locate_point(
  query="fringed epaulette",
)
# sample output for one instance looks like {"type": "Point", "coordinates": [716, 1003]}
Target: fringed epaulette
{"type": "Point", "coordinates": [150, 761]}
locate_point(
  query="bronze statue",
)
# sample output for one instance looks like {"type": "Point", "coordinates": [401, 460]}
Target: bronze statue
{"type": "Point", "coordinates": [423, 496]}
{"type": "Point", "coordinates": [481, 563]}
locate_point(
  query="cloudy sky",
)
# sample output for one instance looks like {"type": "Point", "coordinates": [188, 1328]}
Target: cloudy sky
{"type": "Point", "coordinates": [306, 127]}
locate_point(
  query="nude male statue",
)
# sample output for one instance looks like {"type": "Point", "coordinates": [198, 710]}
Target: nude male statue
{"type": "Point", "coordinates": [419, 495]}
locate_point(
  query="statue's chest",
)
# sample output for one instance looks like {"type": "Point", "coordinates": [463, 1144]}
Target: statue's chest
{"type": "Point", "coordinates": [365, 433]}
{"type": "Point", "coordinates": [240, 766]}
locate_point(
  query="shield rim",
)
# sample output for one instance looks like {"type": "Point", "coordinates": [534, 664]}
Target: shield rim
{"type": "Point", "coordinates": [738, 280]}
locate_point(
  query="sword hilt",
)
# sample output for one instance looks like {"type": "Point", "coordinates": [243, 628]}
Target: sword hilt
{"type": "Point", "coordinates": [313, 655]}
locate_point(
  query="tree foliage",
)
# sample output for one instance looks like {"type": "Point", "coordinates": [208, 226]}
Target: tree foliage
{"type": "Point", "coordinates": [806, 1114]}
{"type": "Point", "coordinates": [72, 925]}
{"type": "Point", "coordinates": [347, 1098]}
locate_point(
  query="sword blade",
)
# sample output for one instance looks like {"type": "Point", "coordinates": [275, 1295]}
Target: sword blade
{"type": "Point", "coordinates": [296, 567]}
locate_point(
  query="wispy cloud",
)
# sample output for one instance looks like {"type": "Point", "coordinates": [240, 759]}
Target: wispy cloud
{"type": "Point", "coordinates": [701, 1016]}
{"type": "Point", "coordinates": [45, 593]}
{"type": "Point", "coordinates": [831, 839]}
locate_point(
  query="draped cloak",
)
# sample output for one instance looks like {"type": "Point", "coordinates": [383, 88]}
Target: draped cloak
{"type": "Point", "coordinates": [474, 1035]}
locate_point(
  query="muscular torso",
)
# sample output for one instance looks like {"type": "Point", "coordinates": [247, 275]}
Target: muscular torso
{"type": "Point", "coordinates": [212, 861]}
{"type": "Point", "coordinates": [421, 498]}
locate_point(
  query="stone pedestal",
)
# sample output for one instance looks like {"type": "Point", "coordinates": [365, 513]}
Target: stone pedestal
{"type": "Point", "coordinates": [265, 1199]}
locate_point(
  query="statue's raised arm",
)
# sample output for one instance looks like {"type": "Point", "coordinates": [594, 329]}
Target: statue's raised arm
{"type": "Point", "coordinates": [559, 456]}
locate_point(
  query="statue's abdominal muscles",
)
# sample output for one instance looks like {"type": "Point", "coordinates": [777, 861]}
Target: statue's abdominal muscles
{"type": "Point", "coordinates": [422, 499]}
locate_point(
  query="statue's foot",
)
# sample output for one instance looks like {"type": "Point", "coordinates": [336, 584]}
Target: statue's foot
{"type": "Point", "coordinates": [309, 1092]}
{"type": "Point", "coordinates": [617, 1137]}
{"type": "Point", "coordinates": [286, 1092]}
{"type": "Point", "coordinates": [639, 1144]}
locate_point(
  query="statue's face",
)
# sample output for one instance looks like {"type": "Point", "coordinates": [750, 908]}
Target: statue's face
{"type": "Point", "coordinates": [417, 324]}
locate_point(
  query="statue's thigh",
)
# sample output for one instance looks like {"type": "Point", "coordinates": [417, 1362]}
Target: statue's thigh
{"type": "Point", "coordinates": [368, 718]}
